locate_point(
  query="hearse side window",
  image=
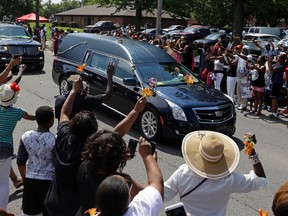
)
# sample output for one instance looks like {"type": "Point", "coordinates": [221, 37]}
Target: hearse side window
{"type": "Point", "coordinates": [124, 70]}
{"type": "Point", "coordinates": [100, 62]}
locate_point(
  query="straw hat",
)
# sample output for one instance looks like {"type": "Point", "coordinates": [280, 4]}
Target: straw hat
{"type": "Point", "coordinates": [210, 154]}
{"type": "Point", "coordinates": [9, 94]}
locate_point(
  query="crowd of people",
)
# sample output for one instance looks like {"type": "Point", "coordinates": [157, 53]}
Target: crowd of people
{"type": "Point", "coordinates": [249, 80]}
{"type": "Point", "coordinates": [78, 169]}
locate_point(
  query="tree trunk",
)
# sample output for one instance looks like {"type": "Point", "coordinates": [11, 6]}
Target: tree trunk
{"type": "Point", "coordinates": [138, 18]}
{"type": "Point", "coordinates": [238, 18]}
{"type": "Point", "coordinates": [37, 12]}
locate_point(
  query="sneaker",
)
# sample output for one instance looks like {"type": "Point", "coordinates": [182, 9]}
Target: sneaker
{"type": "Point", "coordinates": [241, 108]}
{"type": "Point", "coordinates": [273, 116]}
{"type": "Point", "coordinates": [269, 109]}
{"type": "Point", "coordinates": [264, 107]}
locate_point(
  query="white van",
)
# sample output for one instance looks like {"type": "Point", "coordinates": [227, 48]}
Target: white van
{"type": "Point", "coordinates": [267, 30]}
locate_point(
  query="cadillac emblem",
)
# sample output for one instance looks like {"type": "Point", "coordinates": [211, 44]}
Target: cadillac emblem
{"type": "Point", "coordinates": [219, 113]}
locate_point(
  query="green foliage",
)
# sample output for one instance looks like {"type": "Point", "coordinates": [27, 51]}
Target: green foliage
{"type": "Point", "coordinates": [16, 8]}
{"type": "Point", "coordinates": [73, 25]}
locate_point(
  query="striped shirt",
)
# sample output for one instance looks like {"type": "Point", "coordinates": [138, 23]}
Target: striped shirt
{"type": "Point", "coordinates": [9, 116]}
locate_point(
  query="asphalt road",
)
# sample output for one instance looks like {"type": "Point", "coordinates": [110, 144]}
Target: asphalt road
{"type": "Point", "coordinates": [38, 89]}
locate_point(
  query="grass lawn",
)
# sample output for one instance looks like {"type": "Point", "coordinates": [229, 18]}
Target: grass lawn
{"type": "Point", "coordinates": [48, 26]}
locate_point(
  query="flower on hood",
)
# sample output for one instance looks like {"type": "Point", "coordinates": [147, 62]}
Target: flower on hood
{"type": "Point", "coordinates": [80, 68]}
{"type": "Point", "coordinates": [189, 79]}
{"type": "Point", "coordinates": [146, 92]}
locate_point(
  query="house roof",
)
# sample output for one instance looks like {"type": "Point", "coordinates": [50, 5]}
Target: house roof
{"type": "Point", "coordinates": [94, 10]}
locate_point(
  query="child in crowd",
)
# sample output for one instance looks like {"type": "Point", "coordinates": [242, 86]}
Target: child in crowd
{"type": "Point", "coordinates": [9, 116]}
{"type": "Point", "coordinates": [36, 147]}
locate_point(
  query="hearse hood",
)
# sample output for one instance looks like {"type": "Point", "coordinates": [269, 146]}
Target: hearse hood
{"type": "Point", "coordinates": [196, 95]}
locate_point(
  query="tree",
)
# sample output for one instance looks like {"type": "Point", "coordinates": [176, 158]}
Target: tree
{"type": "Point", "coordinates": [16, 8]}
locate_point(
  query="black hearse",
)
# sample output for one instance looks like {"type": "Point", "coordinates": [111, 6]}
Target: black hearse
{"type": "Point", "coordinates": [176, 109]}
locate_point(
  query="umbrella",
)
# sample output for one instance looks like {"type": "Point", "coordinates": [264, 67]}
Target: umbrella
{"type": "Point", "coordinates": [31, 17]}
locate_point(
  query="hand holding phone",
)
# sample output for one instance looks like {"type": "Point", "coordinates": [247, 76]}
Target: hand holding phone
{"type": "Point", "coordinates": [132, 144]}
{"type": "Point", "coordinates": [175, 210]}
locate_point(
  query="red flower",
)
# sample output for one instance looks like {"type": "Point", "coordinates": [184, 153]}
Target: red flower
{"type": "Point", "coordinates": [14, 86]}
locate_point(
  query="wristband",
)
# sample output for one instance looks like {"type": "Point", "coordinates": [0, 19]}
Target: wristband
{"type": "Point", "coordinates": [255, 159]}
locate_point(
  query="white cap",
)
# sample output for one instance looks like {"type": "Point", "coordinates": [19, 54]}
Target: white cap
{"type": "Point", "coordinates": [246, 47]}
{"type": "Point", "coordinates": [249, 58]}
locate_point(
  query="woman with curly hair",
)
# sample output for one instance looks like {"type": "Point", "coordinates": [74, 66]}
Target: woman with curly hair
{"type": "Point", "coordinates": [105, 154]}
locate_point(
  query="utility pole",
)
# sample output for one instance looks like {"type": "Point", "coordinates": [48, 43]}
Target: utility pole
{"type": "Point", "coordinates": [159, 14]}
{"type": "Point", "coordinates": [37, 12]}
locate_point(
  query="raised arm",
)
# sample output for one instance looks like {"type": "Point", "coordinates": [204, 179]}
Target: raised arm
{"type": "Point", "coordinates": [68, 104]}
{"type": "Point", "coordinates": [270, 65]}
{"type": "Point", "coordinates": [109, 89]}
{"type": "Point", "coordinates": [154, 174]}
{"type": "Point", "coordinates": [257, 166]}
{"type": "Point", "coordinates": [22, 68]}
{"type": "Point", "coordinates": [124, 126]}
{"type": "Point", "coordinates": [256, 44]}
{"type": "Point", "coordinates": [12, 63]}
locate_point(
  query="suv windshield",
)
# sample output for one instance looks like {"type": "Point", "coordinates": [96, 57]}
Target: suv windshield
{"type": "Point", "coordinates": [13, 32]}
{"type": "Point", "coordinates": [165, 73]}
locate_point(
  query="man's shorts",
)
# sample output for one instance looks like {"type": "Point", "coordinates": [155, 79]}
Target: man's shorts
{"type": "Point", "coordinates": [275, 90]}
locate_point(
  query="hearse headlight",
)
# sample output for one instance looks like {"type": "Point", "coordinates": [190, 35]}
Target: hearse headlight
{"type": "Point", "coordinates": [177, 111]}
{"type": "Point", "coordinates": [40, 48]}
{"type": "Point", "coordinates": [3, 48]}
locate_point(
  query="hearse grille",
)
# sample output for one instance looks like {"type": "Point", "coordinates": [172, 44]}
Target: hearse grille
{"type": "Point", "coordinates": [217, 114]}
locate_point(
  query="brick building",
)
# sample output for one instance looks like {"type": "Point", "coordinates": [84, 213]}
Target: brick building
{"type": "Point", "coordinates": [91, 14]}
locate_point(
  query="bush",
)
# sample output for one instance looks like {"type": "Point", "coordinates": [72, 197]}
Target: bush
{"type": "Point", "coordinates": [62, 23]}
{"type": "Point", "coordinates": [73, 25]}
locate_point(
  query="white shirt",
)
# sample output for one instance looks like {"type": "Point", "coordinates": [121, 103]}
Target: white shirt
{"type": "Point", "coordinates": [147, 202]}
{"type": "Point", "coordinates": [212, 196]}
{"type": "Point", "coordinates": [38, 147]}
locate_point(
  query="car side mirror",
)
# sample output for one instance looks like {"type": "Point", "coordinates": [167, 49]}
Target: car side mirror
{"type": "Point", "coordinates": [131, 81]}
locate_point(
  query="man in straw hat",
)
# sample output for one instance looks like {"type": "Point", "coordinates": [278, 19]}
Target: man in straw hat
{"type": "Point", "coordinates": [9, 116]}
{"type": "Point", "coordinates": [206, 181]}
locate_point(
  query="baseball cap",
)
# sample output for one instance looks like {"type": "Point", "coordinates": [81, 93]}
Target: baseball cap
{"type": "Point", "coordinates": [246, 47]}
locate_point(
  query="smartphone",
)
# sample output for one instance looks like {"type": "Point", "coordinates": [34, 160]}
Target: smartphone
{"type": "Point", "coordinates": [175, 210]}
{"type": "Point", "coordinates": [16, 55]}
{"type": "Point", "coordinates": [132, 144]}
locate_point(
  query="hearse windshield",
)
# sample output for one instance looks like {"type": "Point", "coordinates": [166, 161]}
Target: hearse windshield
{"type": "Point", "coordinates": [165, 73]}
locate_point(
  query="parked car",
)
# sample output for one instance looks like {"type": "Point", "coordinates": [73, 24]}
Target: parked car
{"type": "Point", "coordinates": [100, 26]}
{"type": "Point", "coordinates": [150, 33]}
{"type": "Point", "coordinates": [261, 39]}
{"type": "Point", "coordinates": [212, 39]}
{"type": "Point", "coordinates": [174, 27]}
{"type": "Point", "coordinates": [15, 40]}
{"type": "Point", "coordinates": [176, 108]}
{"type": "Point", "coordinates": [284, 42]}
{"type": "Point", "coordinates": [192, 33]}
{"type": "Point", "coordinates": [279, 32]}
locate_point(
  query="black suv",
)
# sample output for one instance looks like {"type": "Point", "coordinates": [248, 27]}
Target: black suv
{"type": "Point", "coordinates": [100, 26]}
{"type": "Point", "coordinates": [15, 40]}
